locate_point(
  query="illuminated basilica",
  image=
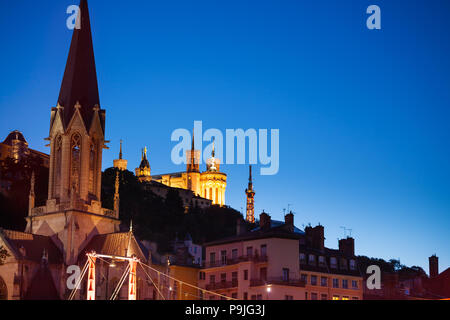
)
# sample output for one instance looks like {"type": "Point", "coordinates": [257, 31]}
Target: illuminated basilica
{"type": "Point", "coordinates": [209, 185]}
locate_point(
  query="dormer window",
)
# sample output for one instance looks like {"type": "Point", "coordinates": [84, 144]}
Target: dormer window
{"type": "Point", "coordinates": [312, 259]}
{"type": "Point", "coordinates": [333, 262]}
{"type": "Point", "coordinates": [322, 262]}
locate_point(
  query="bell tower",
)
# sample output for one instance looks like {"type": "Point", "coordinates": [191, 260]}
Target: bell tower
{"type": "Point", "coordinates": [73, 212]}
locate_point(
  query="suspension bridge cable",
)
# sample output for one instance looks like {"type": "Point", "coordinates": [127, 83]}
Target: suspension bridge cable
{"type": "Point", "coordinates": [188, 284]}
{"type": "Point", "coordinates": [159, 291]}
{"type": "Point", "coordinates": [120, 283]}
{"type": "Point", "coordinates": [77, 284]}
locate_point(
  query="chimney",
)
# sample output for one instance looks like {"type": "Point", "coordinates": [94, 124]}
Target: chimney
{"type": "Point", "coordinates": [289, 221]}
{"type": "Point", "coordinates": [264, 221]}
{"type": "Point", "coordinates": [434, 266]}
{"type": "Point", "coordinates": [347, 246]}
{"type": "Point", "coordinates": [240, 227]}
{"type": "Point", "coordinates": [315, 237]}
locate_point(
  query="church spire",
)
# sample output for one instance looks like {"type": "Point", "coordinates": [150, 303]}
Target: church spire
{"type": "Point", "coordinates": [79, 83]}
{"type": "Point", "coordinates": [120, 163]}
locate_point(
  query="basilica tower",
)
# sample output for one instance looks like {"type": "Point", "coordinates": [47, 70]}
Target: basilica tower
{"type": "Point", "coordinates": [73, 212]}
{"type": "Point", "coordinates": [250, 217]}
{"type": "Point", "coordinates": [213, 182]}
{"type": "Point", "coordinates": [144, 170]}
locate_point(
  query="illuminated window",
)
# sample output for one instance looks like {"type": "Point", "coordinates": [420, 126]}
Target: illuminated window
{"type": "Point", "coordinates": [335, 297]}
{"type": "Point", "coordinates": [345, 298]}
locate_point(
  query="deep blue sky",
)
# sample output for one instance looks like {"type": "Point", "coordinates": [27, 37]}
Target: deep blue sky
{"type": "Point", "coordinates": [363, 115]}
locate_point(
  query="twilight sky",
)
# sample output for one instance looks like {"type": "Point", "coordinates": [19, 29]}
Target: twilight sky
{"type": "Point", "coordinates": [363, 115]}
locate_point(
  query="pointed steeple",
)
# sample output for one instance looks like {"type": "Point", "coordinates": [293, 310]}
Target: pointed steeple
{"type": "Point", "coordinates": [120, 152]}
{"type": "Point", "coordinates": [79, 83]}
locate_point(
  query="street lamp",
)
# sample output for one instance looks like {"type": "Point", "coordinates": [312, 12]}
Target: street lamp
{"type": "Point", "coordinates": [268, 289]}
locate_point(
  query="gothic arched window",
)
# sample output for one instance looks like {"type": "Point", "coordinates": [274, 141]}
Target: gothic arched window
{"type": "Point", "coordinates": [75, 168]}
{"type": "Point", "coordinates": [92, 165]}
{"type": "Point", "coordinates": [57, 166]}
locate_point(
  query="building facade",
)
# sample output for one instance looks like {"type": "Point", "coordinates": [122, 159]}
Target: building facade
{"type": "Point", "coordinates": [277, 261]}
{"type": "Point", "coordinates": [258, 265]}
{"type": "Point", "coordinates": [15, 146]}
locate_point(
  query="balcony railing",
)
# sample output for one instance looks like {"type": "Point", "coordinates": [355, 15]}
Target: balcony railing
{"type": "Point", "coordinates": [222, 285]}
{"type": "Point", "coordinates": [228, 262]}
{"type": "Point", "coordinates": [277, 281]}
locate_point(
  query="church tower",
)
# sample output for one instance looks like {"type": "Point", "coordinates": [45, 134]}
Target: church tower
{"type": "Point", "coordinates": [73, 213]}
{"type": "Point", "coordinates": [120, 163]}
{"type": "Point", "coordinates": [193, 168]}
{"type": "Point", "coordinates": [250, 199]}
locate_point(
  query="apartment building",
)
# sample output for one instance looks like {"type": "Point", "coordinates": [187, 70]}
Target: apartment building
{"type": "Point", "coordinates": [277, 261]}
{"type": "Point", "coordinates": [258, 265]}
{"type": "Point", "coordinates": [329, 274]}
